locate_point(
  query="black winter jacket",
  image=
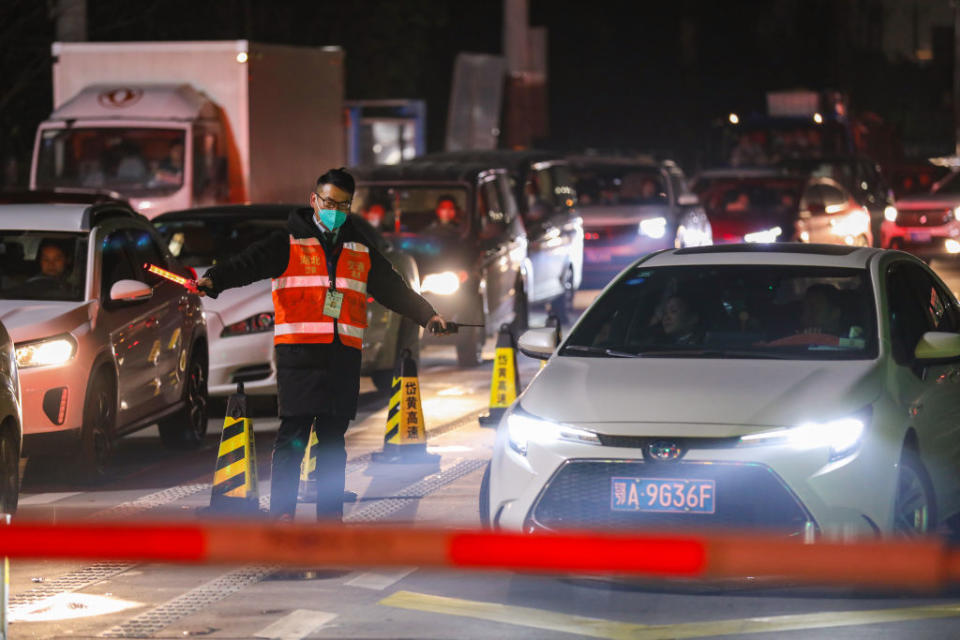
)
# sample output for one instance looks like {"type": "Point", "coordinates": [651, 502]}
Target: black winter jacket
{"type": "Point", "coordinates": [319, 379]}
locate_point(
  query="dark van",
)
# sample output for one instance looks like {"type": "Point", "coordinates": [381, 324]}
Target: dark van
{"type": "Point", "coordinates": [461, 223]}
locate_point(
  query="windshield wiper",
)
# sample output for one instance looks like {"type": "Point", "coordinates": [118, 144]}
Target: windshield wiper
{"type": "Point", "coordinates": [612, 353]}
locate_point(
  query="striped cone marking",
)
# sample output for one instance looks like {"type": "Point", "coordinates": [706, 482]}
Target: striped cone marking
{"type": "Point", "coordinates": [309, 464]}
{"type": "Point", "coordinates": [505, 382]}
{"type": "Point", "coordinates": [405, 413]}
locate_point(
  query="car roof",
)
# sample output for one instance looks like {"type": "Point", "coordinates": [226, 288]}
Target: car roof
{"type": "Point", "coordinates": [507, 158]}
{"type": "Point", "coordinates": [749, 172]}
{"type": "Point", "coordinates": [785, 253]}
{"type": "Point", "coordinates": [58, 216]}
{"type": "Point", "coordinates": [280, 211]}
{"type": "Point", "coordinates": [425, 170]}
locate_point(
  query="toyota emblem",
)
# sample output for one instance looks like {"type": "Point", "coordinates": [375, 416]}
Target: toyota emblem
{"type": "Point", "coordinates": [663, 450]}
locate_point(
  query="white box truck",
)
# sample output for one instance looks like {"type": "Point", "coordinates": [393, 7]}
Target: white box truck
{"type": "Point", "coordinates": [171, 125]}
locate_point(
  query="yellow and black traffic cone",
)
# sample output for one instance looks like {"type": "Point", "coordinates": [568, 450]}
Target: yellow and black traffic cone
{"type": "Point", "coordinates": [405, 439]}
{"type": "Point", "coordinates": [505, 381]}
{"type": "Point", "coordinates": [235, 489]}
{"type": "Point", "coordinates": [307, 492]}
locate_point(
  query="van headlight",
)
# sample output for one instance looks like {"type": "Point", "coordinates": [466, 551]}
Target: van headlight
{"type": "Point", "coordinates": [654, 228]}
{"type": "Point", "coordinates": [48, 352]}
{"type": "Point", "coordinates": [841, 436]}
{"type": "Point", "coordinates": [522, 428]}
{"type": "Point", "coordinates": [444, 283]}
{"type": "Point", "coordinates": [890, 213]}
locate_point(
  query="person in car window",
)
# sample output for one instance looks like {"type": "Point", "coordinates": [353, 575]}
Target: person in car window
{"type": "Point", "coordinates": [374, 215]}
{"type": "Point", "coordinates": [680, 321]}
{"type": "Point", "coordinates": [170, 169]}
{"type": "Point", "coordinates": [448, 215]}
{"type": "Point", "coordinates": [820, 318]}
{"type": "Point", "coordinates": [53, 260]}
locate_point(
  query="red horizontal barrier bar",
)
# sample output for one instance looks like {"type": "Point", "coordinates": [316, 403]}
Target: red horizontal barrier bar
{"type": "Point", "coordinates": [926, 564]}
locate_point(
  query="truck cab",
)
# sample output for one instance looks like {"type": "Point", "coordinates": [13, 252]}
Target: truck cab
{"type": "Point", "coordinates": [161, 146]}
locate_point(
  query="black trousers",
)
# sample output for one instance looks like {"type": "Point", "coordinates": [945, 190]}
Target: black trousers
{"type": "Point", "coordinates": [288, 451]}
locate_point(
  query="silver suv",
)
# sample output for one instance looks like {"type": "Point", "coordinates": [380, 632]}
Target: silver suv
{"type": "Point", "coordinates": [103, 347]}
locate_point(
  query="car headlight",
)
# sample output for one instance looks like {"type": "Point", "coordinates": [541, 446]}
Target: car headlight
{"type": "Point", "coordinates": [855, 223]}
{"type": "Point", "coordinates": [444, 283]}
{"type": "Point", "coordinates": [890, 213]}
{"type": "Point", "coordinates": [653, 227]}
{"type": "Point", "coordinates": [48, 352]}
{"type": "Point", "coordinates": [841, 436]}
{"type": "Point", "coordinates": [523, 427]}
{"type": "Point", "coordinates": [767, 235]}
{"type": "Point", "coordinates": [254, 324]}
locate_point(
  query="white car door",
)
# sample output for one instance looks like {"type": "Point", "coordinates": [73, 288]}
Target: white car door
{"type": "Point", "coordinates": [930, 395]}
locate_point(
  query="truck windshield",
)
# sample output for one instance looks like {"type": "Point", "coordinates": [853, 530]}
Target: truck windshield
{"type": "Point", "coordinates": [413, 209]}
{"type": "Point", "coordinates": [45, 265]}
{"type": "Point", "coordinates": [134, 162]}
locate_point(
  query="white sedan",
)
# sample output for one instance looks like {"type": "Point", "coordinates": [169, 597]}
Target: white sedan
{"type": "Point", "coordinates": [810, 390]}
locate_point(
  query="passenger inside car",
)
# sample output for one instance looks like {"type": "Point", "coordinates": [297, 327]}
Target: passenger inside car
{"type": "Point", "coordinates": [448, 216]}
{"type": "Point", "coordinates": [680, 321]}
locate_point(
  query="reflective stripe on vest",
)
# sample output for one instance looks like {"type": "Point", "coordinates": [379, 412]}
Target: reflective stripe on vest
{"type": "Point", "coordinates": [299, 294]}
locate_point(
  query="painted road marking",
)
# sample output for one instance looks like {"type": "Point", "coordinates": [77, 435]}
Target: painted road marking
{"type": "Point", "coordinates": [47, 498]}
{"type": "Point", "coordinates": [598, 628]}
{"type": "Point", "coordinates": [296, 625]}
{"type": "Point", "coordinates": [379, 581]}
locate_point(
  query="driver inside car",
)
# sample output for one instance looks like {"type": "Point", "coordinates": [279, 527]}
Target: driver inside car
{"type": "Point", "coordinates": [53, 260]}
{"type": "Point", "coordinates": [821, 318]}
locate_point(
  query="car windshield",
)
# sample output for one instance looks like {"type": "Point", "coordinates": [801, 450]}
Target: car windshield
{"type": "Point", "coordinates": [134, 162]}
{"type": "Point", "coordinates": [414, 209]}
{"type": "Point", "coordinates": [203, 242]}
{"type": "Point", "coordinates": [611, 185]}
{"type": "Point", "coordinates": [46, 265]}
{"type": "Point", "coordinates": [767, 311]}
{"type": "Point", "coordinates": [749, 197]}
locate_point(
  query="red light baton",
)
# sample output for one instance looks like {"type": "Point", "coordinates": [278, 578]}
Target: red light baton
{"type": "Point", "coordinates": [187, 283]}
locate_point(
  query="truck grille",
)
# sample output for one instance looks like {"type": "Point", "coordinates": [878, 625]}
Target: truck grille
{"type": "Point", "coordinates": [924, 217]}
{"type": "Point", "coordinates": [747, 496]}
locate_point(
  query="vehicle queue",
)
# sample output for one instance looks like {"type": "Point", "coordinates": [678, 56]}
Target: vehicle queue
{"type": "Point", "coordinates": [773, 382]}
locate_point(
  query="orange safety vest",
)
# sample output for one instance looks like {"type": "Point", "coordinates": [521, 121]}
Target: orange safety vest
{"type": "Point", "coordinates": [299, 294]}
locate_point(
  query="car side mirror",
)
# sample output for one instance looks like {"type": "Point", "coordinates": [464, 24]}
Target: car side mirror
{"type": "Point", "coordinates": [538, 343]}
{"type": "Point", "coordinates": [130, 291]}
{"type": "Point", "coordinates": [937, 347]}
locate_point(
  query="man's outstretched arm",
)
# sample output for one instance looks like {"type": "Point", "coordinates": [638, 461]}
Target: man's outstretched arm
{"type": "Point", "coordinates": [266, 258]}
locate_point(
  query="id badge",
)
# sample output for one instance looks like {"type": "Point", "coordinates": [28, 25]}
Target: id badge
{"type": "Point", "coordinates": [332, 304]}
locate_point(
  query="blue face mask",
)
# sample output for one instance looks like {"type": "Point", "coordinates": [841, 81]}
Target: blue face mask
{"type": "Point", "coordinates": [332, 219]}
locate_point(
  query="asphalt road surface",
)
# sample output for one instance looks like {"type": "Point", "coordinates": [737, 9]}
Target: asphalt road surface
{"type": "Point", "coordinates": [85, 600]}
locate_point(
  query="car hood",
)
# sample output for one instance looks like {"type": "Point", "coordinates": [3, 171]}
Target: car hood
{"type": "Point", "coordinates": [435, 252]}
{"type": "Point", "coordinates": [926, 200]}
{"type": "Point", "coordinates": [599, 216]}
{"type": "Point", "coordinates": [698, 397]}
{"type": "Point", "coordinates": [36, 319]}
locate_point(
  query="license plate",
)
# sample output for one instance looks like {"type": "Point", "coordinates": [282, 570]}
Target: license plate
{"type": "Point", "coordinates": [663, 495]}
{"type": "Point", "coordinates": [920, 237]}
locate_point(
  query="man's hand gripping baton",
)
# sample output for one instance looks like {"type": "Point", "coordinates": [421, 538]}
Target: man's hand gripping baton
{"type": "Point", "coordinates": [187, 283]}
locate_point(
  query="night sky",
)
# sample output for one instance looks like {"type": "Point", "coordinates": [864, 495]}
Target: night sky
{"type": "Point", "coordinates": [622, 75]}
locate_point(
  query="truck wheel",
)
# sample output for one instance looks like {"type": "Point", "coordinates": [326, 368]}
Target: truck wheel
{"type": "Point", "coordinates": [9, 470]}
{"type": "Point", "coordinates": [470, 346]}
{"type": "Point", "coordinates": [186, 428]}
{"type": "Point", "coordinates": [96, 437]}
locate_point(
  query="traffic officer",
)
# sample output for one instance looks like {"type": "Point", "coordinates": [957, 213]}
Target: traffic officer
{"type": "Point", "coordinates": [323, 269]}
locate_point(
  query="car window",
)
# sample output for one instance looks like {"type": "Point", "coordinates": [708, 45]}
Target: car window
{"type": "Point", "coordinates": [42, 265]}
{"type": "Point", "coordinates": [911, 311]}
{"type": "Point", "coordinates": [145, 250]}
{"type": "Point", "coordinates": [735, 311]}
{"type": "Point", "coordinates": [117, 260]}
{"type": "Point", "coordinates": [541, 202]}
{"type": "Point", "coordinates": [938, 308]}
{"type": "Point", "coordinates": [832, 197]}
{"type": "Point", "coordinates": [812, 197]}
{"type": "Point", "coordinates": [421, 209]}
{"type": "Point", "coordinates": [507, 201]}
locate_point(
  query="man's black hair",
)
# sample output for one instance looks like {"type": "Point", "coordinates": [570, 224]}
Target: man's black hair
{"type": "Point", "coordinates": [338, 178]}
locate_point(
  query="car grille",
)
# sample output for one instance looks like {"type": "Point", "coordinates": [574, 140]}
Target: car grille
{"type": "Point", "coordinates": [748, 495]}
{"type": "Point", "coordinates": [924, 217]}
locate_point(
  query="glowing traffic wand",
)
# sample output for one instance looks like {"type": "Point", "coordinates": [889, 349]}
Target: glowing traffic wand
{"type": "Point", "coordinates": [187, 283]}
